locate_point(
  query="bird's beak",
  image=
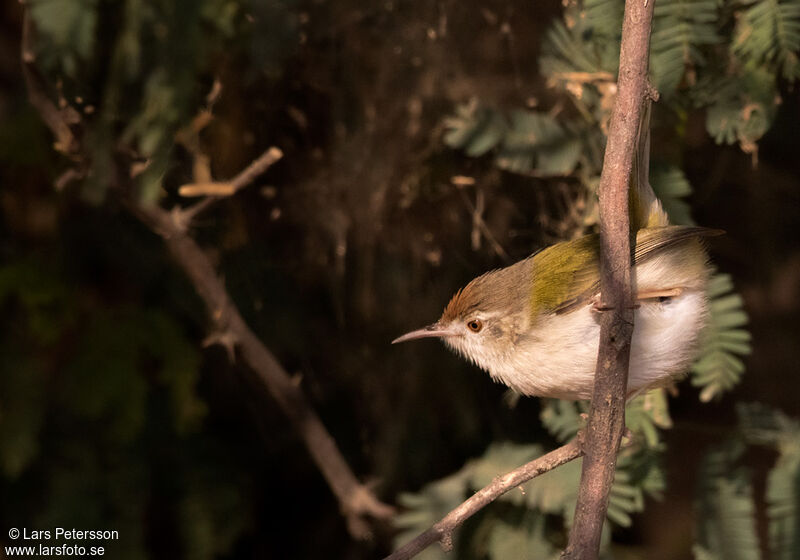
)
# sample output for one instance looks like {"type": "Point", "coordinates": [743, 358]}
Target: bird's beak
{"type": "Point", "coordinates": [435, 330]}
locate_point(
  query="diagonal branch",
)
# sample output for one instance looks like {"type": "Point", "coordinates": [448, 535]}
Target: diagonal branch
{"type": "Point", "coordinates": [356, 501]}
{"type": "Point", "coordinates": [443, 530]}
{"type": "Point", "coordinates": [607, 417]}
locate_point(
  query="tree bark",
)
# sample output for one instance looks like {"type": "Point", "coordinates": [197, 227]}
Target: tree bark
{"type": "Point", "coordinates": [607, 416]}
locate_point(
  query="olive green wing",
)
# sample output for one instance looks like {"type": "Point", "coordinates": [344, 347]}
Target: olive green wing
{"type": "Point", "coordinates": [567, 274]}
{"type": "Point", "coordinates": [563, 274]}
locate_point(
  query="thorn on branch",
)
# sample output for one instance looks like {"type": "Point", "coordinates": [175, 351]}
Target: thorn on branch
{"type": "Point", "coordinates": [446, 540]}
{"type": "Point", "coordinates": [580, 437]}
{"type": "Point", "coordinates": [652, 93]}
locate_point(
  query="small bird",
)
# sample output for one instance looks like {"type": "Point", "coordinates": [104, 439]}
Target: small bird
{"type": "Point", "coordinates": [534, 325]}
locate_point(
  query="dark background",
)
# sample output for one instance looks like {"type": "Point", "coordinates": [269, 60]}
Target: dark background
{"type": "Point", "coordinates": [356, 236]}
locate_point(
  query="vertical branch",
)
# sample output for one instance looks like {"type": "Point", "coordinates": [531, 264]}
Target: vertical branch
{"type": "Point", "coordinates": [607, 417]}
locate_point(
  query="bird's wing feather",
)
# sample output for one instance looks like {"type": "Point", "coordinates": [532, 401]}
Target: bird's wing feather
{"type": "Point", "coordinates": [651, 241]}
{"type": "Point", "coordinates": [572, 268]}
{"type": "Point", "coordinates": [562, 273]}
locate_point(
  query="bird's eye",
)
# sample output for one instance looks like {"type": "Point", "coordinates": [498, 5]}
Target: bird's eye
{"type": "Point", "coordinates": [475, 325]}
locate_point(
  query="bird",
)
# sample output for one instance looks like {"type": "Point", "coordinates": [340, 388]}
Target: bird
{"type": "Point", "coordinates": [534, 325]}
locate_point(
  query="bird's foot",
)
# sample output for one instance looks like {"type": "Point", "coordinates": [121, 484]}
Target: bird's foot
{"type": "Point", "coordinates": [599, 306]}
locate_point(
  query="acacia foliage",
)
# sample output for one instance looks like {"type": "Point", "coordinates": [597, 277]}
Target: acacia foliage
{"type": "Point", "coordinates": [727, 58]}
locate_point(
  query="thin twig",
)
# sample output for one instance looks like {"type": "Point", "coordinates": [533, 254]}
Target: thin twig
{"type": "Point", "coordinates": [61, 121]}
{"type": "Point", "coordinates": [244, 178]}
{"type": "Point", "coordinates": [607, 417]}
{"type": "Point", "coordinates": [479, 223]}
{"type": "Point", "coordinates": [443, 530]}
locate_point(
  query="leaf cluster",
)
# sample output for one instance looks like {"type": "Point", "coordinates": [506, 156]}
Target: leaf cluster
{"type": "Point", "coordinates": [532, 518]}
{"type": "Point", "coordinates": [720, 366]}
{"type": "Point", "coordinates": [727, 500]}
{"type": "Point", "coordinates": [726, 57]}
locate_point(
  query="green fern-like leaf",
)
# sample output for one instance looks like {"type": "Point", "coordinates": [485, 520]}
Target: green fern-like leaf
{"type": "Point", "coordinates": [603, 18]}
{"type": "Point", "coordinates": [645, 414]}
{"type": "Point", "coordinates": [523, 141]}
{"type": "Point", "coordinates": [768, 31]}
{"type": "Point", "coordinates": [783, 503]}
{"type": "Point", "coordinates": [520, 538]}
{"type": "Point", "coordinates": [568, 49]}
{"type": "Point", "coordinates": [475, 129]}
{"type": "Point", "coordinates": [646, 470]}
{"type": "Point", "coordinates": [725, 504]}
{"type": "Point", "coordinates": [681, 28]}
{"type": "Point", "coordinates": [639, 474]}
{"type": "Point", "coordinates": [623, 500]}
{"type": "Point", "coordinates": [724, 509]}
{"type": "Point", "coordinates": [538, 140]}
{"type": "Point", "coordinates": [428, 506]}
{"type": "Point", "coordinates": [741, 108]}
{"type": "Point", "coordinates": [562, 418]}
{"type": "Point", "coordinates": [553, 493]}
{"type": "Point", "coordinates": [762, 425]}
{"type": "Point", "coordinates": [499, 458]}
{"type": "Point", "coordinates": [701, 553]}
{"type": "Point", "coordinates": [671, 186]}
{"type": "Point", "coordinates": [720, 366]}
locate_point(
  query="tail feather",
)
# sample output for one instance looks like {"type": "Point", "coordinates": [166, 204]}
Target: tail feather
{"type": "Point", "coordinates": [645, 208]}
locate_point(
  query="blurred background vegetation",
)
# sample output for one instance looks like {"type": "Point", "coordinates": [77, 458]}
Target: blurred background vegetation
{"type": "Point", "coordinates": [424, 143]}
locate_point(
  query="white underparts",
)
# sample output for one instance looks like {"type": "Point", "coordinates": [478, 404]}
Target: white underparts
{"type": "Point", "coordinates": [559, 358]}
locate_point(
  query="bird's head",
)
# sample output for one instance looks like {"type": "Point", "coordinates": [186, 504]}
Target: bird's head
{"type": "Point", "coordinates": [486, 318]}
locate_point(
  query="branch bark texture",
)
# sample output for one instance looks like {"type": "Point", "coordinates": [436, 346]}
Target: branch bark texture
{"type": "Point", "coordinates": [443, 530]}
{"type": "Point", "coordinates": [607, 417]}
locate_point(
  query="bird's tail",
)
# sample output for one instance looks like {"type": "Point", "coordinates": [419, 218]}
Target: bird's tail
{"type": "Point", "coordinates": [645, 208]}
